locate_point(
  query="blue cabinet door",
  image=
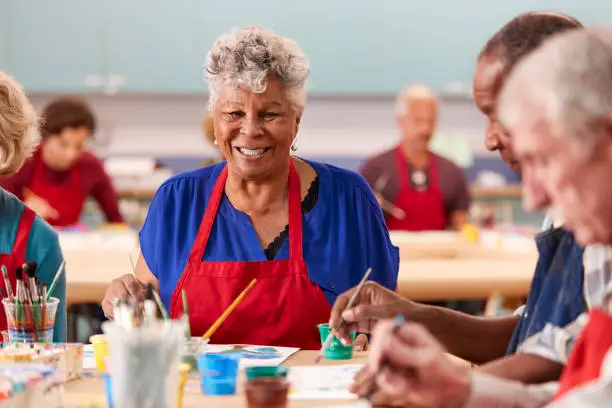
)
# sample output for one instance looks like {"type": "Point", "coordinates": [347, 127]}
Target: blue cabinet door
{"type": "Point", "coordinates": [153, 46]}
{"type": "Point", "coordinates": [55, 46]}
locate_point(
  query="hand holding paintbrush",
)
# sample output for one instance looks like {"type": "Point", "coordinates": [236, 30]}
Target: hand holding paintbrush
{"type": "Point", "coordinates": [340, 322]}
{"type": "Point", "coordinates": [406, 362]}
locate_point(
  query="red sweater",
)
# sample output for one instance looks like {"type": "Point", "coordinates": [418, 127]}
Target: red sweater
{"type": "Point", "coordinates": [94, 182]}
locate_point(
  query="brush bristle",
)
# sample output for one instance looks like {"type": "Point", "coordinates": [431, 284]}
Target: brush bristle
{"type": "Point", "coordinates": [31, 268]}
{"type": "Point", "coordinates": [149, 291]}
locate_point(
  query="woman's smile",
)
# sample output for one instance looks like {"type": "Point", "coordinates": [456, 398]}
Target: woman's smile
{"type": "Point", "coordinates": [253, 153]}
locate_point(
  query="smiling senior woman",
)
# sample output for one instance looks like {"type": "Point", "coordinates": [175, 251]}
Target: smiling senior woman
{"type": "Point", "coordinates": [308, 231]}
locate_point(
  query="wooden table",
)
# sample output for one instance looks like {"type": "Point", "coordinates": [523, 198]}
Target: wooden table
{"type": "Point", "coordinates": [89, 274]}
{"type": "Point", "coordinates": [79, 392]}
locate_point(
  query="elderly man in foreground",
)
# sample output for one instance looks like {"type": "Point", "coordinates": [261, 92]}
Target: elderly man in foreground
{"type": "Point", "coordinates": [530, 346]}
{"type": "Point", "coordinates": [569, 105]}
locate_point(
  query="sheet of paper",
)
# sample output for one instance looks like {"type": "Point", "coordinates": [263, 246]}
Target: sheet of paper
{"type": "Point", "coordinates": [357, 404]}
{"type": "Point", "coordinates": [322, 382]}
{"type": "Point", "coordinates": [89, 361]}
{"type": "Point", "coordinates": [254, 355]}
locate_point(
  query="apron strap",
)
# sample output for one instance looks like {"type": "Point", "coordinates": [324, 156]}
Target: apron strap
{"type": "Point", "coordinates": [199, 245]}
{"type": "Point", "coordinates": [402, 167]}
{"type": "Point", "coordinates": [21, 238]}
{"type": "Point", "coordinates": [295, 216]}
{"type": "Point", "coordinates": [432, 170]}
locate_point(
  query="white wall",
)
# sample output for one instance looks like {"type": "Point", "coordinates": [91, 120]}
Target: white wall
{"type": "Point", "coordinates": [337, 127]}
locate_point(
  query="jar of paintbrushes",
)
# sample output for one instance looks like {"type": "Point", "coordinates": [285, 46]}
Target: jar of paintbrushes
{"type": "Point", "coordinates": [144, 354]}
{"type": "Point", "coordinates": [30, 309]}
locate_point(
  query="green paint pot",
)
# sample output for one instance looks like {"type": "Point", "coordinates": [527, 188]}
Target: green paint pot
{"type": "Point", "coordinates": [253, 373]}
{"type": "Point", "coordinates": [336, 350]}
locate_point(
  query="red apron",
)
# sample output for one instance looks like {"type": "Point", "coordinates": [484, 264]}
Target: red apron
{"type": "Point", "coordinates": [17, 256]}
{"type": "Point", "coordinates": [67, 199]}
{"type": "Point", "coordinates": [424, 209]}
{"type": "Point", "coordinates": [588, 354]}
{"type": "Point", "coordinates": [282, 309]}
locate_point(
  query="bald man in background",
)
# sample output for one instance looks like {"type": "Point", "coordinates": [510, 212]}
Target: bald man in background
{"type": "Point", "coordinates": [417, 189]}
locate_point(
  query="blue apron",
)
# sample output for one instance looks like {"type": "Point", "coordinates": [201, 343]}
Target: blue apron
{"type": "Point", "coordinates": [556, 295]}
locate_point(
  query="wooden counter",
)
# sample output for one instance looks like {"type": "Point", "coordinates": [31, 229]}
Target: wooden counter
{"type": "Point", "coordinates": [89, 274]}
{"type": "Point", "coordinates": [510, 191]}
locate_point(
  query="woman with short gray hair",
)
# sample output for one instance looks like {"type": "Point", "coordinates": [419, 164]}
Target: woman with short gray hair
{"type": "Point", "coordinates": [305, 230]}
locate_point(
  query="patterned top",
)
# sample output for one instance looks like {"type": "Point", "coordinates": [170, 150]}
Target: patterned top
{"type": "Point", "coordinates": [555, 343]}
{"type": "Point", "coordinates": [493, 392]}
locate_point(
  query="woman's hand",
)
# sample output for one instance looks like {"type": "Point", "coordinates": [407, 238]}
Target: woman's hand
{"type": "Point", "coordinates": [124, 288]}
{"type": "Point", "coordinates": [409, 364]}
{"type": "Point", "coordinates": [373, 303]}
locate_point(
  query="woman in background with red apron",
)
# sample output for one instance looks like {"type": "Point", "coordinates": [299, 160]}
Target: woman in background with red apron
{"type": "Point", "coordinates": [61, 174]}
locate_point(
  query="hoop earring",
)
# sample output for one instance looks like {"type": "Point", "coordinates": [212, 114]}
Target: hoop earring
{"type": "Point", "coordinates": [294, 145]}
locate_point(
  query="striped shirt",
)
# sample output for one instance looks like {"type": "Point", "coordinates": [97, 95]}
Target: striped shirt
{"type": "Point", "coordinates": [492, 392]}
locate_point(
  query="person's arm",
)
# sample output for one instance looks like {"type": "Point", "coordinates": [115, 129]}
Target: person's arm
{"type": "Point", "coordinates": [144, 274]}
{"type": "Point", "coordinates": [460, 202]}
{"type": "Point", "coordinates": [472, 338]}
{"type": "Point", "coordinates": [488, 391]}
{"type": "Point", "coordinates": [458, 219]}
{"type": "Point", "coordinates": [407, 362]}
{"type": "Point", "coordinates": [106, 196]}
{"type": "Point", "coordinates": [44, 248]}
{"type": "Point", "coordinates": [476, 339]}
{"type": "Point", "coordinates": [526, 368]}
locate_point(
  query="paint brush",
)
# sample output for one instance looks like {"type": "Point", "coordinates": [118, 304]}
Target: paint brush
{"type": "Point", "coordinates": [43, 318]}
{"type": "Point", "coordinates": [349, 305]}
{"type": "Point", "coordinates": [160, 304]}
{"type": "Point", "coordinates": [150, 307]}
{"type": "Point", "coordinates": [399, 321]}
{"type": "Point", "coordinates": [133, 266]}
{"type": "Point", "coordinates": [386, 205]}
{"type": "Point", "coordinates": [55, 279]}
{"type": "Point", "coordinates": [7, 284]}
{"type": "Point", "coordinates": [30, 270]}
{"type": "Point", "coordinates": [228, 311]}
{"type": "Point", "coordinates": [186, 315]}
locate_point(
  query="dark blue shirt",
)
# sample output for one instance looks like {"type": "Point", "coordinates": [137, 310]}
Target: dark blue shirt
{"type": "Point", "coordinates": [343, 235]}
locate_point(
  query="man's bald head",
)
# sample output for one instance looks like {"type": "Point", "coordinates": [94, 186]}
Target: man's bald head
{"type": "Point", "coordinates": [524, 33]}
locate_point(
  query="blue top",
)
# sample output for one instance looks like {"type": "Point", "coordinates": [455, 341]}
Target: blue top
{"type": "Point", "coordinates": [343, 235]}
{"type": "Point", "coordinates": [43, 248]}
{"type": "Point", "coordinates": [555, 298]}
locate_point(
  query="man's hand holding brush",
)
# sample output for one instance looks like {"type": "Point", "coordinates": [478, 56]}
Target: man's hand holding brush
{"type": "Point", "coordinates": [408, 363]}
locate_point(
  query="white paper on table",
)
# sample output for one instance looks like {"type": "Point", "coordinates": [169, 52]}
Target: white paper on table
{"type": "Point", "coordinates": [322, 382]}
{"type": "Point", "coordinates": [89, 360]}
{"type": "Point", "coordinates": [269, 356]}
{"type": "Point", "coordinates": [358, 404]}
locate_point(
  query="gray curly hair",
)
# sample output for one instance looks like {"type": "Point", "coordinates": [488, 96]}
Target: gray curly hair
{"type": "Point", "coordinates": [246, 57]}
{"type": "Point", "coordinates": [18, 125]}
